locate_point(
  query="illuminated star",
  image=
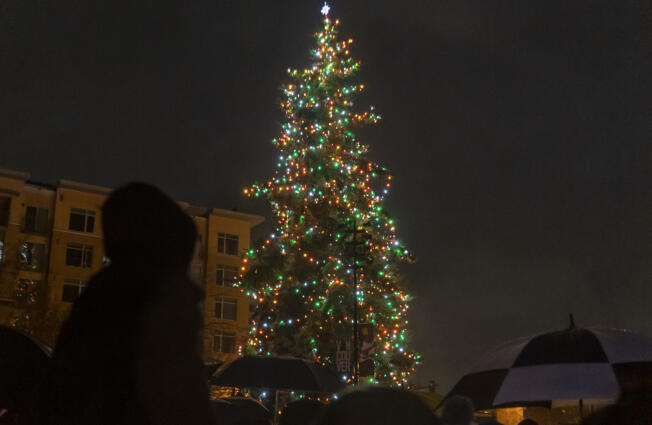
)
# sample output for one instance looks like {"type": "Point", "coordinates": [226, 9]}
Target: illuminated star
{"type": "Point", "coordinates": [325, 9]}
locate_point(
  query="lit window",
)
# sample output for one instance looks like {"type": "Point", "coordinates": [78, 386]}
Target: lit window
{"type": "Point", "coordinates": [82, 220]}
{"type": "Point", "coordinates": [227, 244]}
{"type": "Point", "coordinates": [226, 308]}
{"type": "Point", "coordinates": [226, 275]}
{"type": "Point", "coordinates": [32, 256]}
{"type": "Point", "coordinates": [36, 220]}
{"type": "Point", "coordinates": [224, 342]}
{"type": "Point", "coordinates": [72, 288]}
{"type": "Point", "coordinates": [79, 255]}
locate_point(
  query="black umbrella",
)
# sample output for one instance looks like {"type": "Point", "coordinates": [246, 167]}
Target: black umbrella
{"type": "Point", "coordinates": [559, 367]}
{"type": "Point", "coordinates": [279, 373]}
{"type": "Point", "coordinates": [23, 362]}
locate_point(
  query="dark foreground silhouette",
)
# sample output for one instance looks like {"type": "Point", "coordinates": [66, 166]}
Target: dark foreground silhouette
{"type": "Point", "coordinates": [632, 409]}
{"type": "Point", "coordinates": [301, 412]}
{"type": "Point", "coordinates": [378, 406]}
{"type": "Point", "coordinates": [457, 410]}
{"type": "Point", "coordinates": [128, 354]}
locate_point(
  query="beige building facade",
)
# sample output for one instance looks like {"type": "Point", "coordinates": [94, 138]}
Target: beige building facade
{"type": "Point", "coordinates": [51, 245]}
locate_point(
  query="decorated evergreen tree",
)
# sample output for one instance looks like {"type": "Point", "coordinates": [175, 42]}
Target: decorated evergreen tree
{"type": "Point", "coordinates": [333, 238]}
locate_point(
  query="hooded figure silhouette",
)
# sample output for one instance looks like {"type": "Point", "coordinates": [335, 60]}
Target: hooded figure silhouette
{"type": "Point", "coordinates": [128, 353]}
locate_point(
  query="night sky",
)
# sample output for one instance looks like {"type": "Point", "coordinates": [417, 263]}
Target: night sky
{"type": "Point", "coordinates": [518, 133]}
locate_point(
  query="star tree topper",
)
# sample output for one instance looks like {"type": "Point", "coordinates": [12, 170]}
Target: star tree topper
{"type": "Point", "coordinates": [325, 9]}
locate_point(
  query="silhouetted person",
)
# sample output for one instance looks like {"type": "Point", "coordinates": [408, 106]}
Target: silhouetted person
{"type": "Point", "coordinates": [457, 410]}
{"type": "Point", "coordinates": [128, 353]}
{"type": "Point", "coordinates": [378, 406]}
{"type": "Point", "coordinates": [633, 409]}
{"type": "Point", "coordinates": [634, 406]}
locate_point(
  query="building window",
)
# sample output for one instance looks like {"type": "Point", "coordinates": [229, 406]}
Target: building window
{"type": "Point", "coordinates": [82, 220]}
{"type": "Point", "coordinates": [32, 256]}
{"type": "Point", "coordinates": [72, 288]}
{"type": "Point", "coordinates": [5, 201]}
{"type": "Point", "coordinates": [36, 220]}
{"type": "Point", "coordinates": [226, 308]}
{"type": "Point", "coordinates": [226, 275]}
{"type": "Point", "coordinates": [79, 255]}
{"type": "Point", "coordinates": [224, 342]}
{"type": "Point", "coordinates": [227, 244]}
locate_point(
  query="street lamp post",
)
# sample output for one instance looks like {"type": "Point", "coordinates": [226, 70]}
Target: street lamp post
{"type": "Point", "coordinates": [356, 351]}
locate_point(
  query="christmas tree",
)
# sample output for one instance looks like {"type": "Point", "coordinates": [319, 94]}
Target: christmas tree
{"type": "Point", "coordinates": [332, 260]}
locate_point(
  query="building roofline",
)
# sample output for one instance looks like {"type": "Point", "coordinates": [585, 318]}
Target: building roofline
{"type": "Point", "coordinates": [253, 219]}
{"type": "Point", "coordinates": [6, 172]}
{"type": "Point", "coordinates": [39, 185]}
{"type": "Point", "coordinates": [84, 187]}
{"type": "Point", "coordinates": [193, 210]}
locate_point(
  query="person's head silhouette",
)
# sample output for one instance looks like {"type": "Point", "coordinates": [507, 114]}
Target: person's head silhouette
{"type": "Point", "coordinates": [377, 406]}
{"type": "Point", "coordinates": [143, 226]}
{"type": "Point", "coordinates": [457, 410]}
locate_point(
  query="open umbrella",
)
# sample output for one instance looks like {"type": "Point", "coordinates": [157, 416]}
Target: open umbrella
{"type": "Point", "coordinates": [571, 365]}
{"type": "Point", "coordinates": [279, 373]}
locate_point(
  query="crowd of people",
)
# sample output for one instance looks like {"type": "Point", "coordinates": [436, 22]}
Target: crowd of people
{"type": "Point", "coordinates": [385, 406]}
{"type": "Point", "coordinates": [128, 355]}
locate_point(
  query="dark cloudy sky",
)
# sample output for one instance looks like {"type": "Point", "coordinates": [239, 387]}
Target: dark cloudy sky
{"type": "Point", "coordinates": [518, 132]}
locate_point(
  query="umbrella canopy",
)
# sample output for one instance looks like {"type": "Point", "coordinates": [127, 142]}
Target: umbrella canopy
{"type": "Point", "coordinates": [557, 367]}
{"type": "Point", "coordinates": [280, 373]}
{"type": "Point", "coordinates": [23, 361]}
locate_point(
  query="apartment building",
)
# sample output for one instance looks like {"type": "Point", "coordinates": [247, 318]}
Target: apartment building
{"type": "Point", "coordinates": [51, 245]}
